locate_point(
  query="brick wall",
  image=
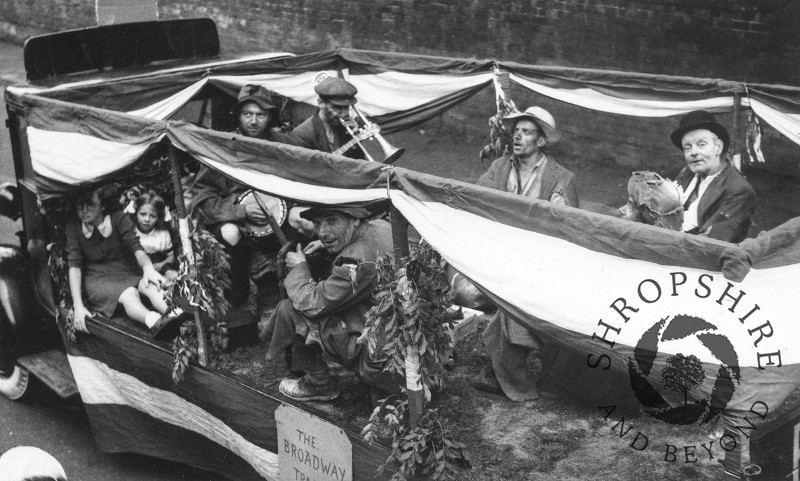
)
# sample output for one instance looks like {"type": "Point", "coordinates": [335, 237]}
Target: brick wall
{"type": "Point", "coordinates": [20, 19]}
{"type": "Point", "coordinates": [732, 39]}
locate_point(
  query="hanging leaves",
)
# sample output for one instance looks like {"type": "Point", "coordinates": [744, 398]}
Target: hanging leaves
{"type": "Point", "coordinates": [202, 285]}
{"type": "Point", "coordinates": [410, 314]}
{"type": "Point", "coordinates": [426, 450]}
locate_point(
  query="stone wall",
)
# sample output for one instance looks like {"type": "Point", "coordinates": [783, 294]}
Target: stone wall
{"type": "Point", "coordinates": [731, 39]}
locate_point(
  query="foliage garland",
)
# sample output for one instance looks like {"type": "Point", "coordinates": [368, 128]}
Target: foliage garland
{"type": "Point", "coordinates": [412, 312]}
{"type": "Point", "coordinates": [203, 286]}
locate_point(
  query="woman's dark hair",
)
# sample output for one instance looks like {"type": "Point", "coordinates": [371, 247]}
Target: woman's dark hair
{"type": "Point", "coordinates": [151, 198]}
{"type": "Point", "coordinates": [108, 195]}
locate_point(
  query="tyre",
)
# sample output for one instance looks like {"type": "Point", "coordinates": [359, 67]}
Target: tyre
{"type": "Point", "coordinates": [14, 386]}
{"type": "Point", "coordinates": [13, 378]}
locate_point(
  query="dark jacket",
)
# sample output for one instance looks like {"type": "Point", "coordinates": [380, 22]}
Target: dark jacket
{"type": "Point", "coordinates": [347, 292]}
{"type": "Point", "coordinates": [214, 196]}
{"type": "Point", "coordinates": [311, 134]}
{"type": "Point", "coordinates": [555, 179]}
{"type": "Point", "coordinates": [726, 208]}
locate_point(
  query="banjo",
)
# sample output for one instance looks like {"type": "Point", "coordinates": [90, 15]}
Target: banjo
{"type": "Point", "coordinates": [276, 207]}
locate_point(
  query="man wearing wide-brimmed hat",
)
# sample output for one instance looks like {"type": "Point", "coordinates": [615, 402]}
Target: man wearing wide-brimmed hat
{"type": "Point", "coordinates": [530, 172]}
{"type": "Point", "coordinates": [215, 196]}
{"type": "Point", "coordinates": [324, 130]}
{"type": "Point", "coordinates": [719, 201]}
{"type": "Point", "coordinates": [328, 315]}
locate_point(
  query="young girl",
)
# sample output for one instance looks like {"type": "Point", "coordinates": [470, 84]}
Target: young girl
{"type": "Point", "coordinates": [155, 237]}
{"type": "Point", "coordinates": [106, 258]}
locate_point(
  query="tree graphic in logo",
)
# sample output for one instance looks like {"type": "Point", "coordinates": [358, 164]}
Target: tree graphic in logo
{"type": "Point", "coordinates": [682, 373]}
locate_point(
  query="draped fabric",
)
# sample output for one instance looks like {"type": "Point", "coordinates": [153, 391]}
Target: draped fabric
{"type": "Point", "coordinates": [403, 90]}
{"type": "Point", "coordinates": [606, 285]}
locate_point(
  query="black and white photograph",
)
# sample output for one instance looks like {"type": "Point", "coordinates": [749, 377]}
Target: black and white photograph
{"type": "Point", "coordinates": [399, 240]}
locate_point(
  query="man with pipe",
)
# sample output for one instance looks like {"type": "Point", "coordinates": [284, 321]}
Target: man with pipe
{"type": "Point", "coordinates": [322, 319]}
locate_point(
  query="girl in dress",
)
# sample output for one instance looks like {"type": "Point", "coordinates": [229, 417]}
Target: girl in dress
{"type": "Point", "coordinates": [156, 240]}
{"type": "Point", "coordinates": [107, 261]}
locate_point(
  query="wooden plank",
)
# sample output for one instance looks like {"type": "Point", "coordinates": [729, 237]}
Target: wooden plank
{"type": "Point", "coordinates": [248, 410]}
{"type": "Point", "coordinates": [52, 368]}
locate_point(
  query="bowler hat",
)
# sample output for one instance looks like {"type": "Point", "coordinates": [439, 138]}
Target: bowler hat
{"type": "Point", "coordinates": [257, 94]}
{"type": "Point", "coordinates": [336, 91]}
{"type": "Point", "coordinates": [318, 211]}
{"type": "Point", "coordinates": [697, 120]}
{"type": "Point", "coordinates": [540, 117]}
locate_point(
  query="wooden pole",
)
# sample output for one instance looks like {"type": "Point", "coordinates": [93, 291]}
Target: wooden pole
{"type": "Point", "coordinates": [416, 395]}
{"type": "Point", "coordinates": [736, 154]}
{"type": "Point", "coordinates": [737, 114]}
{"type": "Point", "coordinates": [188, 251]}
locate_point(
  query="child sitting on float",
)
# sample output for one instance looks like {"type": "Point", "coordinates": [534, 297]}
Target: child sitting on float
{"type": "Point", "coordinates": [149, 215]}
{"type": "Point", "coordinates": [107, 261]}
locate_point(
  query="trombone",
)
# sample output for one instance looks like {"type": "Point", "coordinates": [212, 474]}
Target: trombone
{"type": "Point", "coordinates": [370, 130]}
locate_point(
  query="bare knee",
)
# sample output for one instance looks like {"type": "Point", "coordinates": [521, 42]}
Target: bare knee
{"type": "Point", "coordinates": [130, 297]}
{"type": "Point", "coordinates": [230, 234]}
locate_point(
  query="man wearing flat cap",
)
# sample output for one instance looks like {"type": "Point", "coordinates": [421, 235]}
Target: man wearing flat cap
{"type": "Point", "coordinates": [527, 171]}
{"type": "Point", "coordinates": [323, 130]}
{"type": "Point", "coordinates": [215, 197]}
{"type": "Point", "coordinates": [327, 316]}
{"type": "Point", "coordinates": [719, 201]}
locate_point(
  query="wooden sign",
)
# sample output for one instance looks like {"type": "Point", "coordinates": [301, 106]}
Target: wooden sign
{"type": "Point", "coordinates": [311, 449]}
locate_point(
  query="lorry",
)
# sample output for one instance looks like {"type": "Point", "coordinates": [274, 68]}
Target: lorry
{"type": "Point", "coordinates": [100, 102]}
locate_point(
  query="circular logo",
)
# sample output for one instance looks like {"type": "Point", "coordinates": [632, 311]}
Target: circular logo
{"type": "Point", "coordinates": [678, 376]}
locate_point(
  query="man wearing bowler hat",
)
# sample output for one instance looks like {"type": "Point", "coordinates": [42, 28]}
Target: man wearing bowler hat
{"type": "Point", "coordinates": [215, 197]}
{"type": "Point", "coordinates": [326, 316]}
{"type": "Point", "coordinates": [530, 172]}
{"type": "Point", "coordinates": [324, 130]}
{"type": "Point", "coordinates": [719, 202]}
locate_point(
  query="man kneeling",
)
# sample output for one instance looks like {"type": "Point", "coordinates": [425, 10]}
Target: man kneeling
{"type": "Point", "coordinates": [327, 316]}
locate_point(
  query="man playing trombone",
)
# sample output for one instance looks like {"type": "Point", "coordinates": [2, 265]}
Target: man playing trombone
{"type": "Point", "coordinates": [325, 129]}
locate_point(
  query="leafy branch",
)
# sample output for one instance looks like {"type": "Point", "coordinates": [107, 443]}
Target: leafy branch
{"type": "Point", "coordinates": [203, 286]}
{"type": "Point", "coordinates": [411, 314]}
{"type": "Point", "coordinates": [426, 449]}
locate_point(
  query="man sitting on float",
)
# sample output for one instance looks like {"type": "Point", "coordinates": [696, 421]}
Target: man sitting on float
{"type": "Point", "coordinates": [217, 199]}
{"type": "Point", "coordinates": [326, 316]}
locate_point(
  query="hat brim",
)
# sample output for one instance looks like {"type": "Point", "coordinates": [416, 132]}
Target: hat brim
{"type": "Point", "coordinates": [318, 211]}
{"type": "Point", "coordinates": [716, 128]}
{"type": "Point", "coordinates": [260, 102]}
{"type": "Point", "coordinates": [552, 134]}
{"type": "Point", "coordinates": [346, 102]}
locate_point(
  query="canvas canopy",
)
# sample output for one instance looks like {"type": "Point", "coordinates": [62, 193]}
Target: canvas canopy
{"type": "Point", "coordinates": [594, 282]}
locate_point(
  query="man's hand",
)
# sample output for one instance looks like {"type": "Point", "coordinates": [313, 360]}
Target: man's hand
{"type": "Point", "coordinates": [295, 258]}
{"type": "Point", "coordinates": [255, 214]}
{"type": "Point", "coordinates": [313, 246]}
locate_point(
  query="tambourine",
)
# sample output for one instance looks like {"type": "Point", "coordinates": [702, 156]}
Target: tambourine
{"type": "Point", "coordinates": [275, 206]}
